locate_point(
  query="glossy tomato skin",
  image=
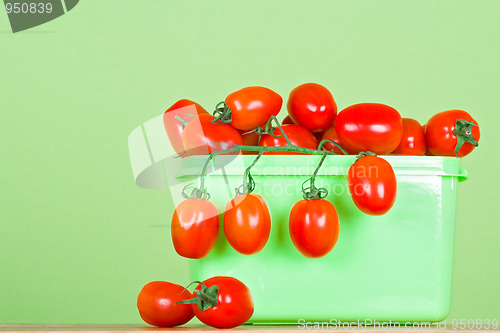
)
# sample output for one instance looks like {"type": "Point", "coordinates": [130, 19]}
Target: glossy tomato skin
{"type": "Point", "coordinates": [331, 134]}
{"type": "Point", "coordinates": [234, 307]}
{"type": "Point", "coordinates": [247, 223]}
{"type": "Point", "coordinates": [372, 184]}
{"type": "Point", "coordinates": [427, 152]}
{"type": "Point", "coordinates": [157, 304]}
{"type": "Point", "coordinates": [413, 139]}
{"type": "Point", "coordinates": [441, 140]}
{"type": "Point", "coordinates": [297, 135]}
{"type": "Point", "coordinates": [252, 107]}
{"type": "Point", "coordinates": [201, 136]}
{"type": "Point", "coordinates": [312, 106]}
{"type": "Point", "coordinates": [369, 127]}
{"type": "Point", "coordinates": [174, 127]}
{"type": "Point", "coordinates": [195, 227]}
{"type": "Point", "coordinates": [314, 227]}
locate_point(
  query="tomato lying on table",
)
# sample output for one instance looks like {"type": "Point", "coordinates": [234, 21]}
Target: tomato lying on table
{"type": "Point", "coordinates": [195, 227]}
{"type": "Point", "coordinates": [297, 135]}
{"type": "Point", "coordinates": [412, 140]}
{"type": "Point", "coordinates": [252, 106]}
{"type": "Point", "coordinates": [158, 304]}
{"type": "Point", "coordinates": [312, 106]}
{"type": "Point", "coordinates": [201, 136]}
{"type": "Point", "coordinates": [369, 127]}
{"type": "Point", "coordinates": [222, 302]}
{"type": "Point", "coordinates": [452, 132]}
{"type": "Point", "coordinates": [247, 223]}
{"type": "Point", "coordinates": [314, 227]}
{"type": "Point", "coordinates": [372, 184]}
{"type": "Point", "coordinates": [174, 127]}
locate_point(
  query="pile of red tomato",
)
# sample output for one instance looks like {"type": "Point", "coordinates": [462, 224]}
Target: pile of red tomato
{"type": "Point", "coordinates": [312, 116]}
{"type": "Point", "coordinates": [365, 129]}
{"type": "Point", "coordinates": [242, 123]}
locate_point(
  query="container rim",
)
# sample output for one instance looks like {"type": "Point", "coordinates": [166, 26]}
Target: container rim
{"type": "Point", "coordinates": [334, 165]}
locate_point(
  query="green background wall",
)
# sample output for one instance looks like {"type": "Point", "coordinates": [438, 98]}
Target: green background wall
{"type": "Point", "coordinates": [78, 238]}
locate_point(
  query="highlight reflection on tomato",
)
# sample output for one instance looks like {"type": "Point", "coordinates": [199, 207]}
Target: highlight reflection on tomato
{"type": "Point", "coordinates": [312, 106]}
{"type": "Point", "coordinates": [158, 304]}
{"type": "Point", "coordinates": [372, 184]}
{"type": "Point", "coordinates": [314, 227]}
{"type": "Point", "coordinates": [247, 223]}
{"type": "Point", "coordinates": [195, 226]}
{"type": "Point", "coordinates": [369, 127]}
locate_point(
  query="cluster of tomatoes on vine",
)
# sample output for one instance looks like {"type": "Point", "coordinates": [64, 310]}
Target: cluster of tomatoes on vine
{"type": "Point", "coordinates": [244, 123]}
{"type": "Point", "coordinates": [312, 117]}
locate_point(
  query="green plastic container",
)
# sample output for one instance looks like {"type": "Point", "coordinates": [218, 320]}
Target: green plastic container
{"type": "Point", "coordinates": [394, 267]}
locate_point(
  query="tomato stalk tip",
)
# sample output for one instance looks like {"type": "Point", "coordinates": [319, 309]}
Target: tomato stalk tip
{"type": "Point", "coordinates": [463, 132]}
{"type": "Point", "coordinates": [206, 298]}
{"type": "Point", "coordinates": [365, 153]}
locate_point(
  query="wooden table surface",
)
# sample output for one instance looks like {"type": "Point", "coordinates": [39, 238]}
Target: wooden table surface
{"type": "Point", "coordinates": [195, 328]}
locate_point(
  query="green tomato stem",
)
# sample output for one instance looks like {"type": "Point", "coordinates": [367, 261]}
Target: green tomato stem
{"type": "Point", "coordinates": [206, 298]}
{"type": "Point", "coordinates": [222, 114]}
{"type": "Point", "coordinates": [248, 183]}
{"type": "Point", "coordinates": [312, 192]}
{"type": "Point", "coordinates": [463, 132]}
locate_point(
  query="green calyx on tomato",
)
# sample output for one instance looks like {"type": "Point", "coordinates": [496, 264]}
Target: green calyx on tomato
{"type": "Point", "coordinates": [222, 114]}
{"type": "Point", "coordinates": [365, 153]}
{"type": "Point", "coordinates": [248, 108]}
{"type": "Point", "coordinates": [463, 132]}
{"type": "Point", "coordinates": [440, 133]}
{"type": "Point", "coordinates": [206, 298]}
{"type": "Point", "coordinates": [196, 193]}
{"type": "Point", "coordinates": [234, 305]}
